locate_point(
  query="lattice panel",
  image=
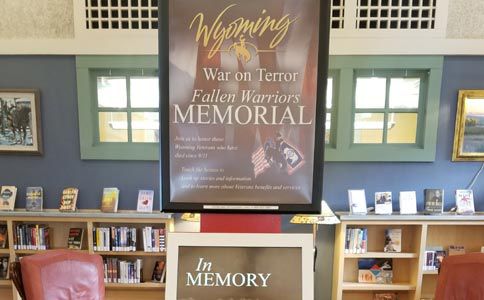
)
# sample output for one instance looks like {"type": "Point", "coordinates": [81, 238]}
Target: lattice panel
{"type": "Point", "coordinates": [337, 14]}
{"type": "Point", "coordinates": [396, 14]}
{"type": "Point", "coordinates": [121, 14]}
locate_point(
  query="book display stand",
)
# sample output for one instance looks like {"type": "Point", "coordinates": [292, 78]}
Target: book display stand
{"type": "Point", "coordinates": [419, 232]}
{"type": "Point", "coordinates": [60, 224]}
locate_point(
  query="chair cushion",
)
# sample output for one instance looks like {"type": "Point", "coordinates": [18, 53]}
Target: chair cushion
{"type": "Point", "coordinates": [63, 275]}
{"type": "Point", "coordinates": [461, 278]}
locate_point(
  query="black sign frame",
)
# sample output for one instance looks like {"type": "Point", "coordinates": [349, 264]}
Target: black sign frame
{"type": "Point", "coordinates": [319, 142]}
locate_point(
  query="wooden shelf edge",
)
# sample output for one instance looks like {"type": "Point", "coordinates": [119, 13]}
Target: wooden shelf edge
{"type": "Point", "coordinates": [41, 251]}
{"type": "Point", "coordinates": [5, 283]}
{"type": "Point", "coordinates": [143, 285]}
{"type": "Point", "coordinates": [431, 272]}
{"type": "Point", "coordinates": [130, 253]}
{"type": "Point", "coordinates": [356, 286]}
{"type": "Point", "coordinates": [381, 255]}
{"type": "Point", "coordinates": [4, 251]}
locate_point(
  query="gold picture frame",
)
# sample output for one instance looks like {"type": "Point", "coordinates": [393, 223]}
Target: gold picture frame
{"type": "Point", "coordinates": [469, 126]}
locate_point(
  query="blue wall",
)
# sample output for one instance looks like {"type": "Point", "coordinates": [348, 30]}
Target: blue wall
{"type": "Point", "coordinates": [459, 73]}
{"type": "Point", "coordinates": [60, 166]}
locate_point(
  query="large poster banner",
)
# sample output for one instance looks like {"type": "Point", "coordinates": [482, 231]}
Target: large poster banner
{"type": "Point", "coordinates": [240, 266]}
{"type": "Point", "coordinates": [242, 104]}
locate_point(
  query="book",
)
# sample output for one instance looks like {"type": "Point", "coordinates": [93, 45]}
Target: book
{"type": "Point", "coordinates": [439, 257]}
{"type": "Point", "coordinates": [7, 197]}
{"type": "Point", "coordinates": [75, 238]}
{"type": "Point", "coordinates": [375, 270]}
{"type": "Point", "coordinates": [464, 200]}
{"type": "Point", "coordinates": [385, 296]}
{"type": "Point", "coordinates": [34, 198]}
{"type": "Point", "coordinates": [145, 200]}
{"type": "Point", "coordinates": [393, 240]}
{"type": "Point", "coordinates": [434, 201]}
{"type": "Point", "coordinates": [383, 203]}
{"type": "Point", "coordinates": [3, 236]}
{"type": "Point", "coordinates": [158, 271]}
{"type": "Point", "coordinates": [69, 199]}
{"type": "Point", "coordinates": [4, 268]}
{"type": "Point", "coordinates": [357, 201]}
{"type": "Point", "coordinates": [456, 250]}
{"type": "Point", "coordinates": [109, 202]}
{"type": "Point", "coordinates": [408, 203]}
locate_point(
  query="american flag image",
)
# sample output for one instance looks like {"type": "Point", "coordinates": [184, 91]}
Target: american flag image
{"type": "Point", "coordinates": [259, 161]}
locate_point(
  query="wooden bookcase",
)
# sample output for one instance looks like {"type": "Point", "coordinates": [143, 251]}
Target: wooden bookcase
{"type": "Point", "coordinates": [61, 222]}
{"type": "Point", "coordinates": [419, 232]}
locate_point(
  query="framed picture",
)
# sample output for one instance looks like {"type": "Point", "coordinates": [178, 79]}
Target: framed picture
{"type": "Point", "coordinates": [20, 130]}
{"type": "Point", "coordinates": [243, 85]}
{"type": "Point", "coordinates": [469, 127]}
{"type": "Point", "coordinates": [240, 266]}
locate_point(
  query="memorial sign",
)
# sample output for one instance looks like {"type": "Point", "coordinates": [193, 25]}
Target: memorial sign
{"type": "Point", "coordinates": [240, 266]}
{"type": "Point", "coordinates": [242, 104]}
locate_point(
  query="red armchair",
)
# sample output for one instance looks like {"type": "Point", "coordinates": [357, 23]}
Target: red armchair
{"type": "Point", "coordinates": [461, 278]}
{"type": "Point", "coordinates": [59, 275]}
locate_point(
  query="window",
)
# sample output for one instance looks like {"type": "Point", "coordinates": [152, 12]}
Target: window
{"type": "Point", "coordinates": [330, 134]}
{"type": "Point", "coordinates": [387, 108]}
{"type": "Point", "coordinates": [127, 106]}
{"type": "Point", "coordinates": [388, 97]}
{"type": "Point", "coordinates": [118, 100]}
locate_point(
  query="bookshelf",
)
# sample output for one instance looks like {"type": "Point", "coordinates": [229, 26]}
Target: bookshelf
{"type": "Point", "coordinates": [419, 232]}
{"type": "Point", "coordinates": [89, 219]}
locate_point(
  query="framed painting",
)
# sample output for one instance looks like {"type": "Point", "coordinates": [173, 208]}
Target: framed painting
{"type": "Point", "coordinates": [469, 127]}
{"type": "Point", "coordinates": [20, 129]}
{"type": "Point", "coordinates": [242, 103]}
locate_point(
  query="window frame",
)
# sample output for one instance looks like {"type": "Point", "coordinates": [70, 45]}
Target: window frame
{"type": "Point", "coordinates": [345, 150]}
{"type": "Point", "coordinates": [87, 69]}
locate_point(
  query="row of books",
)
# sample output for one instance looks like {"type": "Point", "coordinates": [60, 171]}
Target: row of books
{"type": "Point", "coordinates": [34, 197]}
{"type": "Point", "coordinates": [31, 237]}
{"type": "Point", "coordinates": [154, 239]}
{"type": "Point", "coordinates": [126, 239]}
{"type": "Point", "coordinates": [122, 271]}
{"type": "Point", "coordinates": [114, 238]}
{"type": "Point", "coordinates": [356, 240]}
{"type": "Point", "coordinates": [433, 202]}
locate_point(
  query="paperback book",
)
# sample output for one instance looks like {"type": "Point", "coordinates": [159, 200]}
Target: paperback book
{"type": "Point", "coordinates": [8, 194]}
{"type": "Point", "coordinates": [375, 270]}
{"type": "Point", "coordinates": [159, 271]}
{"type": "Point", "coordinates": [456, 250]}
{"type": "Point", "coordinates": [74, 241]}
{"type": "Point", "coordinates": [3, 268]}
{"type": "Point", "coordinates": [34, 198]}
{"type": "Point", "coordinates": [109, 203]}
{"type": "Point", "coordinates": [385, 296]}
{"type": "Point", "coordinates": [3, 236]}
{"type": "Point", "coordinates": [357, 202]}
{"type": "Point", "coordinates": [393, 240]}
{"type": "Point", "coordinates": [145, 200]}
{"type": "Point", "coordinates": [464, 200]}
{"type": "Point", "coordinates": [383, 203]}
{"type": "Point", "coordinates": [69, 199]}
{"type": "Point", "coordinates": [434, 201]}
{"type": "Point", "coordinates": [408, 203]}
